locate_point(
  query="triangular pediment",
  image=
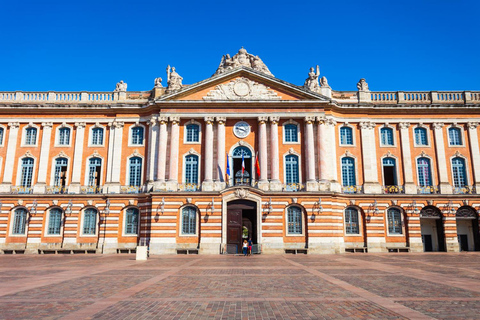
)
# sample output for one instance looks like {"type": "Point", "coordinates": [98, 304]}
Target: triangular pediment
{"type": "Point", "coordinates": [242, 84]}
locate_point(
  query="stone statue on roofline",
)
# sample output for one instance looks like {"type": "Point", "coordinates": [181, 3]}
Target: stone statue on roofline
{"type": "Point", "coordinates": [362, 85]}
{"type": "Point", "coordinates": [121, 86]}
{"type": "Point", "coordinates": [158, 82]}
{"type": "Point", "coordinates": [311, 83]}
{"type": "Point", "coordinates": [324, 82]}
{"type": "Point", "coordinates": [242, 59]}
{"type": "Point", "coordinates": [174, 80]}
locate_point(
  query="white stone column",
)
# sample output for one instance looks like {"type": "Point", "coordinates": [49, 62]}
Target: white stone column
{"type": "Point", "coordinates": [75, 185]}
{"type": "Point", "coordinates": [444, 185]}
{"type": "Point", "coordinates": [10, 156]}
{"type": "Point", "coordinates": [262, 145]}
{"type": "Point", "coordinates": [473, 136]}
{"type": "Point", "coordinates": [311, 184]}
{"type": "Point", "coordinates": [162, 152]}
{"type": "Point", "coordinates": [221, 167]}
{"type": "Point", "coordinates": [369, 152]}
{"type": "Point", "coordinates": [114, 183]}
{"type": "Point", "coordinates": [152, 151]}
{"type": "Point", "coordinates": [172, 184]}
{"type": "Point", "coordinates": [409, 184]}
{"type": "Point", "coordinates": [43, 161]}
{"type": "Point", "coordinates": [327, 154]}
{"type": "Point", "coordinates": [111, 137]}
{"type": "Point", "coordinates": [275, 183]}
{"type": "Point", "coordinates": [207, 184]}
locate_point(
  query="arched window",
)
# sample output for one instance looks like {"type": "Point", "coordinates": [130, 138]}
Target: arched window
{"type": "Point", "coordinates": [424, 172]}
{"type": "Point", "coordinates": [386, 135]}
{"type": "Point", "coordinates": [97, 136]}
{"type": "Point", "coordinates": [389, 172]}
{"type": "Point", "coordinates": [1, 135]}
{"type": "Point", "coordinates": [30, 136]}
{"type": "Point", "coordinates": [291, 169]}
{"type": "Point", "coordinates": [394, 217]}
{"type": "Point", "coordinates": [294, 219]}
{"type": "Point", "coordinates": [193, 132]}
{"type": "Point", "coordinates": [459, 174]}
{"type": "Point", "coordinates": [135, 171]}
{"type": "Point", "coordinates": [137, 135]}
{"type": "Point", "coordinates": [421, 137]}
{"type": "Point", "coordinates": [346, 136]}
{"type": "Point", "coordinates": [90, 221]}
{"type": "Point", "coordinates": [19, 221]}
{"type": "Point", "coordinates": [60, 174]}
{"type": "Point", "coordinates": [348, 172]}
{"type": "Point", "coordinates": [131, 221]}
{"type": "Point", "coordinates": [54, 221]}
{"type": "Point", "coordinates": [351, 221]}
{"type": "Point", "coordinates": [191, 169]}
{"type": "Point", "coordinates": [455, 136]}
{"type": "Point", "coordinates": [189, 220]}
{"type": "Point", "coordinates": [241, 151]}
{"type": "Point", "coordinates": [27, 172]}
{"type": "Point", "coordinates": [291, 132]}
{"type": "Point", "coordinates": [64, 136]}
{"type": "Point", "coordinates": [94, 169]}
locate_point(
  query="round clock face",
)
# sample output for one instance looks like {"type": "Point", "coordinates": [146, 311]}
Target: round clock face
{"type": "Point", "coordinates": [241, 129]}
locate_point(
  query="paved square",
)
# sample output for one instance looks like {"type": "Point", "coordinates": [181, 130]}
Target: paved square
{"type": "Point", "coordinates": [349, 286]}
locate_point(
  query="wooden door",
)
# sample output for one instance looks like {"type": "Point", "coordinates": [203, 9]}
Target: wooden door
{"type": "Point", "coordinates": [234, 227]}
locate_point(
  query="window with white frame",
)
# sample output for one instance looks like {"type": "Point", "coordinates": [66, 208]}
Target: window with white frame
{"type": "Point", "coordinates": [291, 169]}
{"type": "Point", "coordinates": [424, 172]}
{"type": "Point", "coordinates": [386, 136]}
{"type": "Point", "coordinates": [135, 178]}
{"type": "Point", "coordinates": [455, 136]}
{"type": "Point", "coordinates": [193, 132]}
{"type": "Point", "coordinates": [421, 136]}
{"type": "Point", "coordinates": [19, 221]}
{"type": "Point", "coordinates": [189, 220]}
{"type": "Point", "coordinates": [294, 220]}
{"type": "Point", "coordinates": [131, 221]}
{"type": "Point", "coordinates": [137, 135]}
{"type": "Point", "coordinates": [30, 136]}
{"type": "Point", "coordinates": [97, 136]}
{"type": "Point", "coordinates": [348, 172]}
{"type": "Point", "coordinates": [351, 221]}
{"type": "Point", "coordinates": [27, 172]}
{"type": "Point", "coordinates": [346, 136]}
{"type": "Point", "coordinates": [64, 136]}
{"type": "Point", "coordinates": [54, 221]}
{"type": "Point", "coordinates": [389, 171]}
{"type": "Point", "coordinates": [90, 221]}
{"type": "Point", "coordinates": [394, 217]}
{"type": "Point", "coordinates": [191, 169]}
{"type": "Point", "coordinates": [94, 169]}
{"type": "Point", "coordinates": [60, 174]}
{"type": "Point", "coordinates": [291, 132]}
{"type": "Point", "coordinates": [459, 173]}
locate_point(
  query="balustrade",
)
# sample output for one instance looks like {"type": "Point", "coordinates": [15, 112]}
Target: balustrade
{"type": "Point", "coordinates": [393, 189]}
{"type": "Point", "coordinates": [21, 190]}
{"type": "Point", "coordinates": [352, 189]}
{"type": "Point", "coordinates": [427, 189]}
{"type": "Point", "coordinates": [465, 190]}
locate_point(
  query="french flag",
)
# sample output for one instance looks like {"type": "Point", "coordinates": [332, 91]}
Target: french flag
{"type": "Point", "coordinates": [243, 165]}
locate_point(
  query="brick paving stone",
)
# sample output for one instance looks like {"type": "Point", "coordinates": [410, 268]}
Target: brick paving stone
{"type": "Point", "coordinates": [39, 310]}
{"type": "Point", "coordinates": [451, 310]}
{"type": "Point", "coordinates": [249, 271]}
{"type": "Point", "coordinates": [352, 271]}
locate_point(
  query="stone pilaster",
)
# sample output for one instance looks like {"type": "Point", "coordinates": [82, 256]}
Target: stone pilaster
{"type": "Point", "coordinates": [76, 184]}
{"type": "Point", "coordinates": [151, 151]}
{"type": "Point", "coordinates": [262, 143]}
{"type": "Point", "coordinates": [275, 183]}
{"type": "Point", "coordinates": [444, 185]}
{"type": "Point", "coordinates": [10, 156]}
{"type": "Point", "coordinates": [113, 183]}
{"type": "Point", "coordinates": [221, 167]}
{"type": "Point", "coordinates": [162, 152]}
{"type": "Point", "coordinates": [311, 184]}
{"type": "Point", "coordinates": [473, 136]}
{"type": "Point", "coordinates": [369, 152]}
{"type": "Point", "coordinates": [43, 161]}
{"type": "Point", "coordinates": [172, 183]}
{"type": "Point", "coordinates": [409, 184]}
{"type": "Point", "coordinates": [207, 184]}
{"type": "Point", "coordinates": [327, 155]}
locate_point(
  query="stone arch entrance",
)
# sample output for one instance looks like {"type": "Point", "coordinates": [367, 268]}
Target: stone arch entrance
{"type": "Point", "coordinates": [467, 229]}
{"type": "Point", "coordinates": [242, 223]}
{"type": "Point", "coordinates": [432, 229]}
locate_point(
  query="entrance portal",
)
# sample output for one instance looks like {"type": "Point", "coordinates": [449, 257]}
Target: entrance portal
{"type": "Point", "coordinates": [241, 224]}
{"type": "Point", "coordinates": [433, 234]}
{"type": "Point", "coordinates": [467, 229]}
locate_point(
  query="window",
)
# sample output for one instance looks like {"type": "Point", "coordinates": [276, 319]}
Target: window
{"type": "Point", "coordinates": [294, 218]}
{"type": "Point", "coordinates": [64, 136]}
{"type": "Point", "coordinates": [346, 136]}
{"type": "Point", "coordinates": [135, 171]}
{"type": "Point", "coordinates": [94, 167]}
{"type": "Point", "coordinates": [389, 172]}
{"type": "Point", "coordinates": [191, 169]}
{"type": "Point", "coordinates": [54, 221]}
{"type": "Point", "coordinates": [1, 135]}
{"type": "Point", "coordinates": [189, 220]}
{"type": "Point", "coordinates": [131, 221]}
{"type": "Point", "coordinates": [394, 217]}
{"type": "Point", "coordinates": [424, 173]}
{"type": "Point", "coordinates": [90, 221]}
{"type": "Point", "coordinates": [291, 133]}
{"type": "Point", "coordinates": [351, 221]}
{"type": "Point", "coordinates": [27, 172]}
{"type": "Point", "coordinates": [455, 136]}
{"type": "Point", "coordinates": [421, 137]}
{"type": "Point", "coordinates": [137, 135]}
{"type": "Point", "coordinates": [97, 136]}
{"type": "Point", "coordinates": [348, 172]}
{"type": "Point", "coordinates": [19, 221]}
{"type": "Point", "coordinates": [386, 136]}
{"type": "Point", "coordinates": [459, 174]}
{"type": "Point", "coordinates": [60, 174]}
{"type": "Point", "coordinates": [291, 169]}
{"type": "Point", "coordinates": [31, 136]}
{"type": "Point", "coordinates": [193, 133]}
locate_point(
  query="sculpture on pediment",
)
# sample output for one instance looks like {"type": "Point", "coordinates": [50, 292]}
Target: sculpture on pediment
{"type": "Point", "coordinates": [362, 85]}
{"type": "Point", "coordinates": [242, 59]}
{"type": "Point", "coordinates": [158, 82]}
{"type": "Point", "coordinates": [242, 89]}
{"type": "Point", "coordinates": [324, 82]}
{"type": "Point", "coordinates": [121, 86]}
{"type": "Point", "coordinates": [311, 83]}
{"type": "Point", "coordinates": [174, 80]}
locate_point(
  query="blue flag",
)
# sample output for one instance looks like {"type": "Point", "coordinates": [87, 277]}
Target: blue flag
{"type": "Point", "coordinates": [228, 169]}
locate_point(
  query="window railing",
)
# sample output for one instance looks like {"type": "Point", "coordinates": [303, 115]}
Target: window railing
{"type": "Point", "coordinates": [189, 187]}
{"type": "Point", "coordinates": [56, 190]}
{"type": "Point", "coordinates": [352, 189]}
{"type": "Point", "coordinates": [293, 187]}
{"type": "Point", "coordinates": [21, 190]}
{"type": "Point", "coordinates": [427, 189]}
{"type": "Point", "coordinates": [91, 190]}
{"type": "Point", "coordinates": [465, 190]}
{"type": "Point", "coordinates": [393, 189]}
{"type": "Point", "coordinates": [132, 189]}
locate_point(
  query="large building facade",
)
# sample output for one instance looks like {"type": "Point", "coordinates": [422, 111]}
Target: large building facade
{"type": "Point", "coordinates": [196, 168]}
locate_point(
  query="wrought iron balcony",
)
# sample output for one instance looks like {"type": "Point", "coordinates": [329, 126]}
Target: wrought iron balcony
{"type": "Point", "coordinates": [189, 187]}
{"type": "Point", "coordinates": [427, 189]}
{"type": "Point", "coordinates": [293, 187]}
{"type": "Point", "coordinates": [393, 189]}
{"type": "Point", "coordinates": [352, 189]}
{"type": "Point", "coordinates": [91, 189]}
{"type": "Point", "coordinates": [132, 189]}
{"type": "Point", "coordinates": [56, 190]}
{"type": "Point", "coordinates": [465, 190]}
{"type": "Point", "coordinates": [21, 190]}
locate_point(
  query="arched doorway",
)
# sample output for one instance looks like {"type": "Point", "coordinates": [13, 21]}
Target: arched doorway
{"type": "Point", "coordinates": [242, 174]}
{"type": "Point", "coordinates": [467, 229]}
{"type": "Point", "coordinates": [433, 234]}
{"type": "Point", "coordinates": [241, 224]}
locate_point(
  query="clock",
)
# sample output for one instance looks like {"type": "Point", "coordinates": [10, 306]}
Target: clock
{"type": "Point", "coordinates": [241, 129]}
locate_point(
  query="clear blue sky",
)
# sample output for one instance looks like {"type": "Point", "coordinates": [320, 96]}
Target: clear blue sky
{"type": "Point", "coordinates": [90, 45]}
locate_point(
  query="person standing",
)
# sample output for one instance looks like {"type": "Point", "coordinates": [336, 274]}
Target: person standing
{"type": "Point", "coordinates": [245, 247]}
{"type": "Point", "coordinates": [250, 244]}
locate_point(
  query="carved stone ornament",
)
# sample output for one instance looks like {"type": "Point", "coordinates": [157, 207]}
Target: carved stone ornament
{"type": "Point", "coordinates": [55, 202]}
{"type": "Point", "coordinates": [62, 155]}
{"type": "Point", "coordinates": [242, 193]}
{"type": "Point", "coordinates": [47, 124]}
{"type": "Point", "coordinates": [14, 125]}
{"type": "Point", "coordinates": [437, 125]}
{"type": "Point", "coordinates": [95, 154]}
{"type": "Point", "coordinates": [189, 200]}
{"type": "Point", "coordinates": [430, 202]}
{"type": "Point", "coordinates": [191, 151]}
{"type": "Point", "coordinates": [430, 211]}
{"type": "Point", "coordinates": [136, 153]}
{"type": "Point", "coordinates": [20, 202]}
{"type": "Point", "coordinates": [158, 82]}
{"type": "Point", "coordinates": [389, 154]}
{"type": "Point", "coordinates": [362, 85]}
{"type": "Point", "coordinates": [152, 121]}
{"type": "Point", "coordinates": [423, 154]}
{"type": "Point", "coordinates": [242, 89]}
{"type": "Point", "coordinates": [242, 59]}
{"type": "Point", "coordinates": [466, 212]}
{"type": "Point", "coordinates": [90, 202]}
{"type": "Point", "coordinates": [120, 87]}
{"type": "Point", "coordinates": [294, 200]}
{"type": "Point", "coordinates": [457, 154]}
{"type": "Point", "coordinates": [28, 154]}
{"type": "Point", "coordinates": [404, 125]}
{"type": "Point", "coordinates": [465, 202]}
{"type": "Point", "coordinates": [311, 83]}
{"type": "Point", "coordinates": [352, 202]}
{"type": "Point", "coordinates": [131, 202]}
{"type": "Point", "coordinates": [291, 151]}
{"type": "Point", "coordinates": [241, 143]}
{"type": "Point", "coordinates": [324, 82]}
{"type": "Point", "coordinates": [472, 125]}
{"type": "Point", "coordinates": [394, 202]}
{"type": "Point", "coordinates": [367, 125]}
{"type": "Point", "coordinates": [348, 154]}
{"type": "Point", "coordinates": [174, 80]}
{"type": "Point", "coordinates": [80, 125]}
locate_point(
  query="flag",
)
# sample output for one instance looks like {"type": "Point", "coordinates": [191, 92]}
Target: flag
{"type": "Point", "coordinates": [243, 165]}
{"type": "Point", "coordinates": [257, 165]}
{"type": "Point", "coordinates": [228, 170]}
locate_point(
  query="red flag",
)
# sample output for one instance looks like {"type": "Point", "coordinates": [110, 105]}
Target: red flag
{"type": "Point", "coordinates": [257, 165]}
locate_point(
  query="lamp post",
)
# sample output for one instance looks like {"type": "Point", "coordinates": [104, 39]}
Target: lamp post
{"type": "Point", "coordinates": [106, 211]}
{"type": "Point", "coordinates": [68, 210]}
{"type": "Point", "coordinates": [31, 212]}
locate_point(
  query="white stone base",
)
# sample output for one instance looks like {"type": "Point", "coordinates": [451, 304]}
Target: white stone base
{"type": "Point", "coordinates": [39, 188]}
{"type": "Point", "coordinates": [263, 185]}
{"type": "Point", "coordinates": [410, 188]}
{"type": "Point", "coordinates": [74, 188]}
{"type": "Point", "coordinates": [219, 186]}
{"type": "Point", "coordinates": [312, 186]}
{"type": "Point", "coordinates": [335, 186]}
{"type": "Point", "coordinates": [372, 188]}
{"type": "Point", "coordinates": [276, 185]}
{"type": "Point", "coordinates": [142, 253]}
{"type": "Point", "coordinates": [171, 185]}
{"type": "Point", "coordinates": [5, 187]}
{"type": "Point", "coordinates": [112, 188]}
{"type": "Point", "coordinates": [208, 186]}
{"type": "Point", "coordinates": [445, 188]}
